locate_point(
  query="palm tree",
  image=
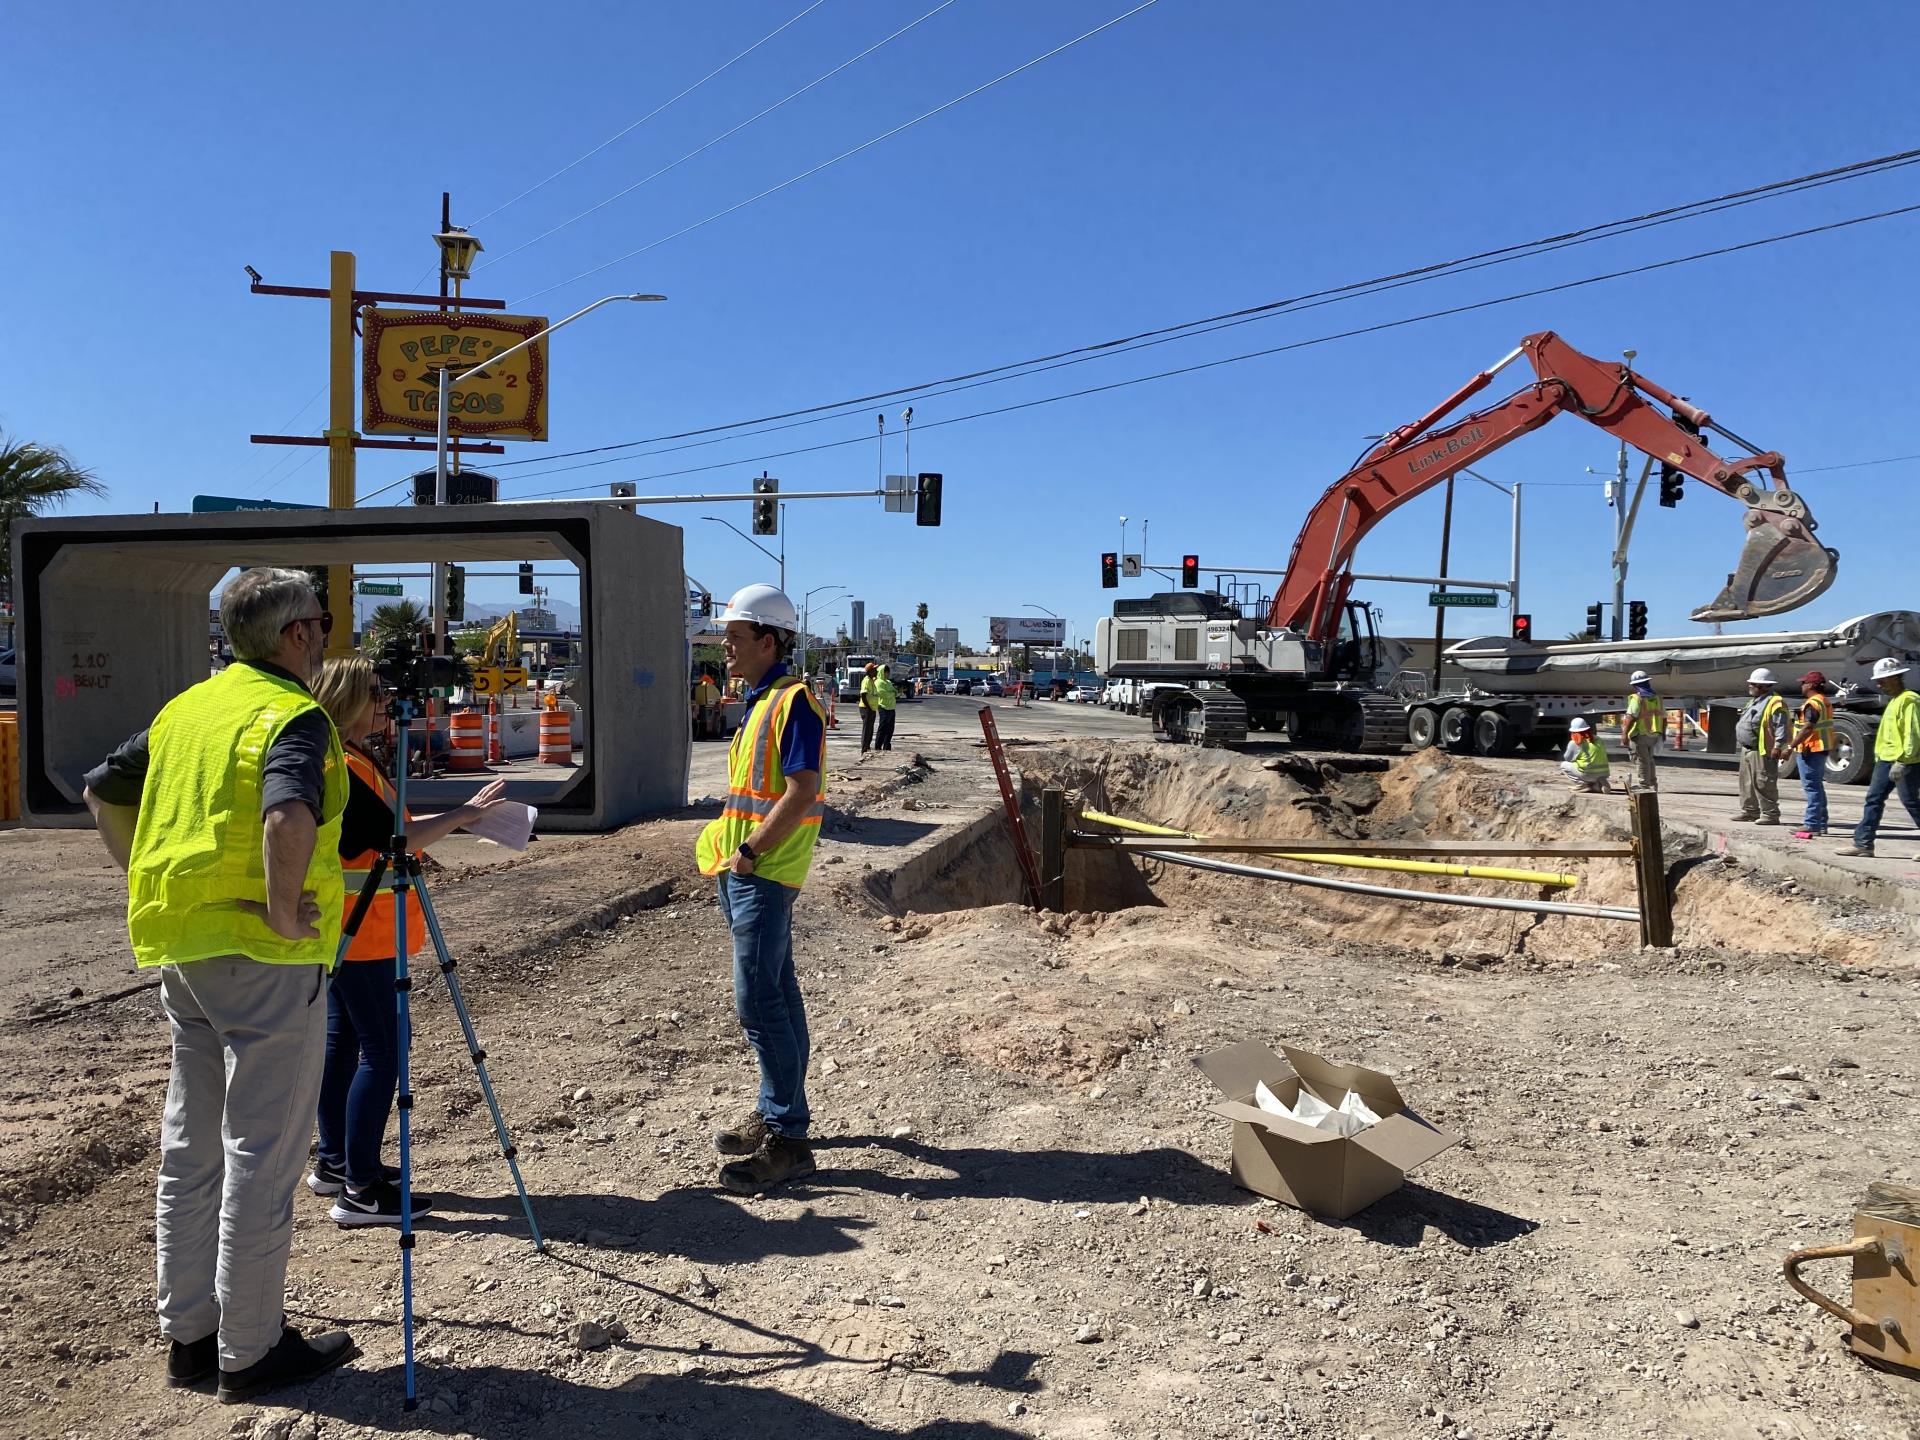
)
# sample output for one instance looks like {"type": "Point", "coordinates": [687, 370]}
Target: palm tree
{"type": "Point", "coordinates": [34, 478]}
{"type": "Point", "coordinates": [403, 618]}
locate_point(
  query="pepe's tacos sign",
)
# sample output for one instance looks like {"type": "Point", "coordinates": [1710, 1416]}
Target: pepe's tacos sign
{"type": "Point", "coordinates": [403, 351]}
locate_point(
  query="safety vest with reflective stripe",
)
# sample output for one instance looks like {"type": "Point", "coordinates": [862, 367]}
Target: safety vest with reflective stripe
{"type": "Point", "coordinates": [1645, 715]}
{"type": "Point", "coordinates": [885, 697]}
{"type": "Point", "coordinates": [197, 846]}
{"type": "Point", "coordinates": [1590, 760]}
{"type": "Point", "coordinates": [374, 939]}
{"type": "Point", "coordinates": [1898, 738]}
{"type": "Point", "coordinates": [754, 782]}
{"type": "Point", "coordinates": [1817, 715]}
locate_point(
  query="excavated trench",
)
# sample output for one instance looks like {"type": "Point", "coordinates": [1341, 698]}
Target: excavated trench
{"type": "Point", "coordinates": [1301, 798]}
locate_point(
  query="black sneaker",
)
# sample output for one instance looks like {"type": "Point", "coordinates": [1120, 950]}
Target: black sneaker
{"type": "Point", "coordinates": [379, 1206]}
{"type": "Point", "coordinates": [194, 1361]}
{"type": "Point", "coordinates": [323, 1179]}
{"type": "Point", "coordinates": [291, 1360]}
{"type": "Point", "coordinates": [779, 1161]}
{"type": "Point", "coordinates": [744, 1137]}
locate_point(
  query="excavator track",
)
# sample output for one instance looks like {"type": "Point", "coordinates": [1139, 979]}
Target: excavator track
{"type": "Point", "coordinates": [1349, 720]}
{"type": "Point", "coordinates": [1199, 717]}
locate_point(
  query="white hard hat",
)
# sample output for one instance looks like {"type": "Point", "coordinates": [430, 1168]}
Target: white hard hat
{"type": "Point", "coordinates": [1888, 666]}
{"type": "Point", "coordinates": [1580, 722]}
{"type": "Point", "coordinates": [762, 605]}
{"type": "Point", "coordinates": [1639, 677]}
{"type": "Point", "coordinates": [1762, 676]}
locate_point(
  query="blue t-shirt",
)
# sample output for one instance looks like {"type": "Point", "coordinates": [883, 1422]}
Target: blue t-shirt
{"type": "Point", "coordinates": [804, 745]}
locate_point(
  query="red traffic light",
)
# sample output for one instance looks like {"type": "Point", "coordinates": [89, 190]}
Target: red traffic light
{"type": "Point", "coordinates": [1109, 570]}
{"type": "Point", "coordinates": [1523, 627]}
{"type": "Point", "coordinates": [1190, 572]}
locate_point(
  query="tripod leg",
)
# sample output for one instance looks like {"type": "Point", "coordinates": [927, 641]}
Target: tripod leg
{"type": "Point", "coordinates": [369, 888]}
{"type": "Point", "coordinates": [474, 1049]}
{"type": "Point", "coordinates": [403, 986]}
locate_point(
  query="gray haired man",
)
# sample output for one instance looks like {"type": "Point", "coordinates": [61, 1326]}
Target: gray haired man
{"type": "Point", "coordinates": [1761, 734]}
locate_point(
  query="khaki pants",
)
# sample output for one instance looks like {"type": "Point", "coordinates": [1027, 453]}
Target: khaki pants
{"type": "Point", "coordinates": [1759, 786]}
{"type": "Point", "coordinates": [1641, 747]}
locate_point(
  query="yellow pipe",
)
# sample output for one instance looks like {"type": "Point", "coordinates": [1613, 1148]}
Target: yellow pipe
{"type": "Point", "coordinates": [1359, 862]}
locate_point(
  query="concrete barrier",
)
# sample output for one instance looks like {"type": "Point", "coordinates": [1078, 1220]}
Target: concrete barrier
{"type": "Point", "coordinates": [113, 624]}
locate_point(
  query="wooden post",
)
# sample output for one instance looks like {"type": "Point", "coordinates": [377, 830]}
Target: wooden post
{"type": "Point", "coordinates": [342, 391]}
{"type": "Point", "coordinates": [1650, 867]}
{"type": "Point", "coordinates": [1053, 848]}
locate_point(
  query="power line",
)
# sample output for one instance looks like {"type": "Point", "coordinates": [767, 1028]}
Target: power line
{"type": "Point", "coordinates": [665, 104]}
{"type": "Point", "coordinates": [1481, 260]}
{"type": "Point", "coordinates": [620, 194]}
{"type": "Point", "coordinates": [843, 155]}
{"type": "Point", "coordinates": [1373, 329]}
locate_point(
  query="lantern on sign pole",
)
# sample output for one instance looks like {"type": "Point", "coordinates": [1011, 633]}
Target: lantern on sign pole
{"type": "Point", "coordinates": [457, 249]}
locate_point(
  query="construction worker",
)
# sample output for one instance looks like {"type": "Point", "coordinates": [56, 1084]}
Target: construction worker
{"type": "Point", "coordinates": [706, 708]}
{"type": "Point", "coordinates": [1896, 754]}
{"type": "Point", "coordinates": [226, 815]}
{"type": "Point", "coordinates": [1586, 758]}
{"type": "Point", "coordinates": [1644, 727]}
{"type": "Point", "coordinates": [885, 698]}
{"type": "Point", "coordinates": [759, 851]}
{"type": "Point", "coordinates": [869, 706]}
{"type": "Point", "coordinates": [362, 1068]}
{"type": "Point", "coordinates": [1812, 739]}
{"type": "Point", "coordinates": [1761, 734]}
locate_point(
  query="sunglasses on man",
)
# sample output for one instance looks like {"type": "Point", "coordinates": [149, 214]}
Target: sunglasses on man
{"type": "Point", "coordinates": [324, 620]}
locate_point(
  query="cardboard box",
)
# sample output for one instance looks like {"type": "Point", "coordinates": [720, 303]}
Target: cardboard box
{"type": "Point", "coordinates": [1331, 1175]}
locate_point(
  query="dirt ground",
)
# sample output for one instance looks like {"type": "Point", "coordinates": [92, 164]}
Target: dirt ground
{"type": "Point", "coordinates": [1023, 1224]}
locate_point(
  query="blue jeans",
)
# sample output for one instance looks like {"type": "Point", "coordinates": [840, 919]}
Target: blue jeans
{"type": "Point", "coordinates": [1813, 779]}
{"type": "Point", "coordinates": [766, 996]}
{"type": "Point", "coordinates": [362, 1069]}
{"type": "Point", "coordinates": [1878, 789]}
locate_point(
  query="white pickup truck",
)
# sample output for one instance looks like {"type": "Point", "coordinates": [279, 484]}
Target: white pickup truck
{"type": "Point", "coordinates": [1130, 695]}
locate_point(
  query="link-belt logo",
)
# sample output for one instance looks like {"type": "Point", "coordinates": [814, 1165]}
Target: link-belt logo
{"type": "Point", "coordinates": [1417, 463]}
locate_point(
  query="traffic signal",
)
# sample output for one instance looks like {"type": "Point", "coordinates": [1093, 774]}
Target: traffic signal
{"type": "Point", "coordinates": [1636, 620]}
{"type": "Point", "coordinates": [456, 592]}
{"type": "Point", "coordinates": [1673, 484]}
{"type": "Point", "coordinates": [766, 513]}
{"type": "Point", "coordinates": [1189, 572]}
{"type": "Point", "coordinates": [1593, 621]}
{"type": "Point", "coordinates": [1109, 570]}
{"type": "Point", "coordinates": [1522, 627]}
{"type": "Point", "coordinates": [526, 577]}
{"type": "Point", "coordinates": [926, 503]}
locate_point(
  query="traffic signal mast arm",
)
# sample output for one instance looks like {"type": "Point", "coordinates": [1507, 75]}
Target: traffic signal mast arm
{"type": "Point", "coordinates": [1781, 566]}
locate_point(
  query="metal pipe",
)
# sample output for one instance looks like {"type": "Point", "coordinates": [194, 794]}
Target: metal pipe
{"type": "Point", "coordinates": [1450, 580]}
{"type": "Point", "coordinates": [1392, 892]}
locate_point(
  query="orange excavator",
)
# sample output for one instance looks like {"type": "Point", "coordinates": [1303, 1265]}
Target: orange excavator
{"type": "Point", "coordinates": [1317, 668]}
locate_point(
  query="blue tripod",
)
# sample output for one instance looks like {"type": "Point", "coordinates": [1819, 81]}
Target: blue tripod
{"type": "Point", "coordinates": [400, 868]}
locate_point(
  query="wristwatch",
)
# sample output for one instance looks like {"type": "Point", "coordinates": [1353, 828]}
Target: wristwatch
{"type": "Point", "coordinates": [747, 850]}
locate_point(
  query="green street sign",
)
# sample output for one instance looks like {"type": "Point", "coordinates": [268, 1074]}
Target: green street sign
{"type": "Point", "coordinates": [380, 587]}
{"type": "Point", "coordinates": [222, 504]}
{"type": "Point", "coordinates": [1472, 599]}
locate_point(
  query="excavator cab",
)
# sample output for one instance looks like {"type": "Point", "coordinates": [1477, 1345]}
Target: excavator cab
{"type": "Point", "coordinates": [1356, 645]}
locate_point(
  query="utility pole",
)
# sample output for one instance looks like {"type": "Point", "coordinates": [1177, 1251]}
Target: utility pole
{"type": "Point", "coordinates": [1620, 532]}
{"type": "Point", "coordinates": [1440, 611]}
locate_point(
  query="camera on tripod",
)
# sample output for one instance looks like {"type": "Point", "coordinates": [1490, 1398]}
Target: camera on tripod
{"type": "Point", "coordinates": [409, 672]}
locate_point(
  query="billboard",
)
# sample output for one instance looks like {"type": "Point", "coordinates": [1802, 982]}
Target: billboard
{"type": "Point", "coordinates": [402, 352]}
{"type": "Point", "coordinates": [1026, 630]}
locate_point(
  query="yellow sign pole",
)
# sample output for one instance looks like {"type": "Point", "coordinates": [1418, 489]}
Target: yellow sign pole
{"type": "Point", "coordinates": [340, 436]}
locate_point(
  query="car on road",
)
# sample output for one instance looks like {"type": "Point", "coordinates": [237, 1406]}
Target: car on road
{"type": "Point", "coordinates": [8, 676]}
{"type": "Point", "coordinates": [1084, 694]}
{"type": "Point", "coordinates": [991, 687]}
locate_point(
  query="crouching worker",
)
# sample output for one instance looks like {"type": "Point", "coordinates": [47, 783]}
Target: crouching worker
{"type": "Point", "coordinates": [362, 1067]}
{"type": "Point", "coordinates": [759, 850]}
{"type": "Point", "coordinates": [1586, 759]}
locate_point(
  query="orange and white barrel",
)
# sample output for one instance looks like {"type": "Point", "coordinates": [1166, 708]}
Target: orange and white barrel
{"type": "Point", "coordinates": [467, 740]}
{"type": "Point", "coordinates": [556, 737]}
{"type": "Point", "coordinates": [496, 742]}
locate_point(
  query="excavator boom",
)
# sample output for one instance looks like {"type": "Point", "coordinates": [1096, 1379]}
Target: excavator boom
{"type": "Point", "coordinates": [1782, 566]}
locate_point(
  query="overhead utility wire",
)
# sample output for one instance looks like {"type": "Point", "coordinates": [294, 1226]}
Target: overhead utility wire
{"type": "Point", "coordinates": [663, 105]}
{"type": "Point", "coordinates": [620, 194]}
{"type": "Point", "coordinates": [843, 155]}
{"type": "Point", "coordinates": [1522, 250]}
{"type": "Point", "coordinates": [1105, 352]}
{"type": "Point", "coordinates": [1373, 329]}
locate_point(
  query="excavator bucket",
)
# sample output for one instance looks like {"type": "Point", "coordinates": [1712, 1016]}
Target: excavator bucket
{"type": "Point", "coordinates": [1778, 571]}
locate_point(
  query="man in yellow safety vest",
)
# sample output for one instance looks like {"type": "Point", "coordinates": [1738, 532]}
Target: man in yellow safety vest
{"type": "Point", "coordinates": [1896, 754]}
{"type": "Point", "coordinates": [226, 816]}
{"type": "Point", "coordinates": [1586, 758]}
{"type": "Point", "coordinates": [1644, 728]}
{"type": "Point", "coordinates": [759, 851]}
{"type": "Point", "coordinates": [885, 699]}
{"type": "Point", "coordinates": [1761, 734]}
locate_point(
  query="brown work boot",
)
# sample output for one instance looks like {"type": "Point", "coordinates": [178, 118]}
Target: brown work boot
{"type": "Point", "coordinates": [744, 1137]}
{"type": "Point", "coordinates": [779, 1161]}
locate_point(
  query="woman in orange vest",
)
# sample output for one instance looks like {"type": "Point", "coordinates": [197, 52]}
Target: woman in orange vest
{"type": "Point", "coordinates": [363, 1039]}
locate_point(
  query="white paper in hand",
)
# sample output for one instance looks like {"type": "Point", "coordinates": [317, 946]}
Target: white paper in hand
{"type": "Point", "coordinates": [507, 823]}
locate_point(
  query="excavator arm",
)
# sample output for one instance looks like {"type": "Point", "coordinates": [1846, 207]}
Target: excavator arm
{"type": "Point", "coordinates": [1781, 565]}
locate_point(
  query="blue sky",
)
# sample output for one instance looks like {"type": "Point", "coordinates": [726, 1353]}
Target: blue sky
{"type": "Point", "coordinates": [1195, 158]}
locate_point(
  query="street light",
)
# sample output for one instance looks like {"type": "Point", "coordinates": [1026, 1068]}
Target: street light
{"type": "Point", "coordinates": [806, 619]}
{"type": "Point", "coordinates": [780, 559]}
{"type": "Point", "coordinates": [1029, 605]}
{"type": "Point", "coordinates": [459, 248]}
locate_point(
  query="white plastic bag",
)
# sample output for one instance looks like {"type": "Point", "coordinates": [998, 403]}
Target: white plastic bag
{"type": "Point", "coordinates": [1352, 1115]}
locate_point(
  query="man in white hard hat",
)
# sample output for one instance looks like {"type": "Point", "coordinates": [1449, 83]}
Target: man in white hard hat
{"type": "Point", "coordinates": [1896, 754]}
{"type": "Point", "coordinates": [1586, 759]}
{"type": "Point", "coordinates": [1762, 736]}
{"type": "Point", "coordinates": [1644, 727]}
{"type": "Point", "coordinates": [759, 851]}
